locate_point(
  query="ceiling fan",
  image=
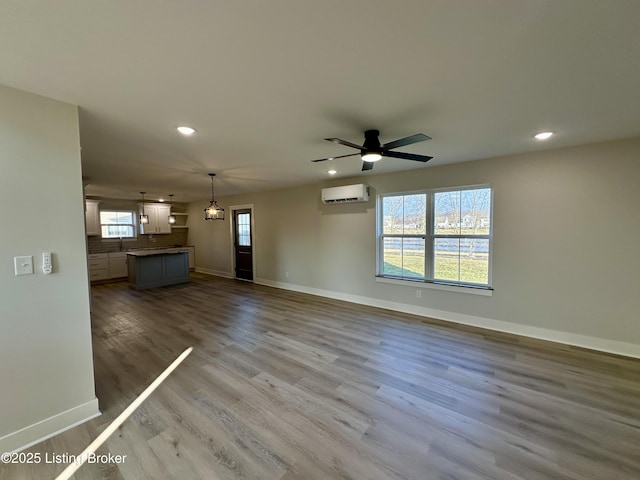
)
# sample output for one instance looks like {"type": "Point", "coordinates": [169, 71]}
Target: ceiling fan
{"type": "Point", "coordinates": [371, 150]}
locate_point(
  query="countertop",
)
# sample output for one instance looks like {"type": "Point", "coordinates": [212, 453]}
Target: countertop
{"type": "Point", "coordinates": [157, 251]}
{"type": "Point", "coordinates": [145, 249]}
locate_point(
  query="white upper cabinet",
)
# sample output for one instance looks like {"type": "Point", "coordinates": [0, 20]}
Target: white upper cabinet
{"type": "Point", "coordinates": [158, 218]}
{"type": "Point", "coordinates": [92, 217]}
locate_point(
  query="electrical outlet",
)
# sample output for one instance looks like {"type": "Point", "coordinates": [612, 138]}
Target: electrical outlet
{"type": "Point", "coordinates": [418, 293]}
{"type": "Point", "coordinates": [286, 274]}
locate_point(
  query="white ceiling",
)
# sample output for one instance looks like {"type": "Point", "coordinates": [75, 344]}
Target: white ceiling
{"type": "Point", "coordinates": [264, 82]}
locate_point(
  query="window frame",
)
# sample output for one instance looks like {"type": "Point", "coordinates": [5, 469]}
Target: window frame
{"type": "Point", "coordinates": [429, 238]}
{"type": "Point", "coordinates": [134, 225]}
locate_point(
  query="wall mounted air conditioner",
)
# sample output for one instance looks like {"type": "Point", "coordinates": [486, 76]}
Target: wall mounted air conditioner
{"type": "Point", "coordinates": [346, 194]}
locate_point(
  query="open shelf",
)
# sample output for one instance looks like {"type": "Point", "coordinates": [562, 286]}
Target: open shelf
{"type": "Point", "coordinates": [181, 220]}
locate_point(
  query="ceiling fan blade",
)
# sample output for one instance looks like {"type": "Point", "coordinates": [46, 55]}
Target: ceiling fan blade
{"type": "Point", "coordinates": [367, 166]}
{"type": "Point", "coordinates": [339, 141]}
{"type": "Point", "coordinates": [407, 156]}
{"type": "Point", "coordinates": [333, 158]}
{"type": "Point", "coordinates": [401, 142]}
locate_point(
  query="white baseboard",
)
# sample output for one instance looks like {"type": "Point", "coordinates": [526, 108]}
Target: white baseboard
{"type": "Point", "coordinates": [217, 273]}
{"type": "Point", "coordinates": [49, 427]}
{"type": "Point", "coordinates": [593, 343]}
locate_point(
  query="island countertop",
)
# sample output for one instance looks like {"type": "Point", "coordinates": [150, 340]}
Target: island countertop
{"type": "Point", "coordinates": [157, 251]}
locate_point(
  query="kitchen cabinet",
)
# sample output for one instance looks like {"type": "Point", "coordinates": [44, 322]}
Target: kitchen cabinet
{"type": "Point", "coordinates": [118, 265]}
{"type": "Point", "coordinates": [192, 257]}
{"type": "Point", "coordinates": [148, 269]}
{"type": "Point", "coordinates": [158, 218]}
{"type": "Point", "coordinates": [105, 266]}
{"type": "Point", "coordinates": [92, 217]}
{"type": "Point", "coordinates": [98, 266]}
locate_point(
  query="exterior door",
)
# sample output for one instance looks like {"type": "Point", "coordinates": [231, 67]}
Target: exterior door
{"type": "Point", "coordinates": [243, 241]}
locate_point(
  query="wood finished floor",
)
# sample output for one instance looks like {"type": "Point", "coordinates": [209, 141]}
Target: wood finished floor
{"type": "Point", "coordinates": [288, 386]}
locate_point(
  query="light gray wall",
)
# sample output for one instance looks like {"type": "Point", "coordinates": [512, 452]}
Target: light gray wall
{"type": "Point", "coordinates": [566, 230]}
{"type": "Point", "coordinates": [46, 363]}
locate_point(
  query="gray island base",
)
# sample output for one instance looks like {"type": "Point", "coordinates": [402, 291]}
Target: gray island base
{"type": "Point", "coordinates": [157, 268]}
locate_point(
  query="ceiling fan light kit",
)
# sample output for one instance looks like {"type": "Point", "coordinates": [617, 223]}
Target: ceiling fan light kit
{"type": "Point", "coordinates": [371, 157]}
{"type": "Point", "coordinates": [372, 151]}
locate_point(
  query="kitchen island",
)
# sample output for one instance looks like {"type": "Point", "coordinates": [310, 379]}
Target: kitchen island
{"type": "Point", "coordinates": [156, 268]}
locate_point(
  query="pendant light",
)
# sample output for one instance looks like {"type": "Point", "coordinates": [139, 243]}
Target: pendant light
{"type": "Point", "coordinates": [213, 211]}
{"type": "Point", "coordinates": [172, 217]}
{"type": "Point", "coordinates": [144, 219]}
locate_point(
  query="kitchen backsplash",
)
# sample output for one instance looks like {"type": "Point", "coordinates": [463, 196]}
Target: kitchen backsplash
{"type": "Point", "coordinates": [177, 237]}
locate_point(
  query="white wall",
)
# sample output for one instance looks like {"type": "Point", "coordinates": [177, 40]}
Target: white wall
{"type": "Point", "coordinates": [46, 364]}
{"type": "Point", "coordinates": [566, 230]}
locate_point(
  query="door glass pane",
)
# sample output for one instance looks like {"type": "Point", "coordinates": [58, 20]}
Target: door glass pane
{"type": "Point", "coordinates": [243, 229]}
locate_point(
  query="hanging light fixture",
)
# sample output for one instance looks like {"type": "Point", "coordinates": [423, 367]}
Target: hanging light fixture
{"type": "Point", "coordinates": [144, 219]}
{"type": "Point", "coordinates": [172, 217]}
{"type": "Point", "coordinates": [213, 211]}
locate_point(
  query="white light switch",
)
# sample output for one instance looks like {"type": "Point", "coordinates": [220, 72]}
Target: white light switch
{"type": "Point", "coordinates": [23, 265]}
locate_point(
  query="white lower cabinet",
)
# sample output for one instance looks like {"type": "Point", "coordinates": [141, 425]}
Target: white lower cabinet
{"type": "Point", "coordinates": [104, 266]}
{"type": "Point", "coordinates": [98, 266]}
{"type": "Point", "coordinates": [118, 265]}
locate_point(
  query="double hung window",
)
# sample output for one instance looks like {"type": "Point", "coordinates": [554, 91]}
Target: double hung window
{"type": "Point", "coordinates": [117, 224]}
{"type": "Point", "coordinates": [437, 236]}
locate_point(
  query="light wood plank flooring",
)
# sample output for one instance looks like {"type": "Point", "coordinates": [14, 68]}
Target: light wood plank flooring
{"type": "Point", "coordinates": [289, 386]}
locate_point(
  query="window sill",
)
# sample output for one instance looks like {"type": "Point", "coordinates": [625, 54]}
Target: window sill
{"type": "Point", "coordinates": [483, 291]}
{"type": "Point", "coordinates": [113, 240]}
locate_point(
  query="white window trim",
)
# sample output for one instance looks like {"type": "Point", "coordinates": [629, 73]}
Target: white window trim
{"type": "Point", "coordinates": [479, 289]}
{"type": "Point", "coordinates": [135, 225]}
{"type": "Point", "coordinates": [117, 240]}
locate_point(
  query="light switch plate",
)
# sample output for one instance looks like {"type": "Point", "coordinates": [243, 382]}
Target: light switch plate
{"type": "Point", "coordinates": [23, 265]}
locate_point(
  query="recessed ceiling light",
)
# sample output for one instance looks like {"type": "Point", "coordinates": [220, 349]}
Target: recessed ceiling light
{"type": "Point", "coordinates": [332, 172]}
{"type": "Point", "coordinates": [183, 129]}
{"type": "Point", "coordinates": [542, 135]}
